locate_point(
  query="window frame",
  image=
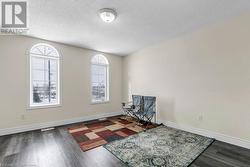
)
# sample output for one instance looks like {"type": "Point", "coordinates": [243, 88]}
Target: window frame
{"type": "Point", "coordinates": [107, 65]}
{"type": "Point", "coordinates": [30, 79]}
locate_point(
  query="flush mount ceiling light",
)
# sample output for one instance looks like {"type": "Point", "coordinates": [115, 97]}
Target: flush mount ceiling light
{"type": "Point", "coordinates": [107, 15]}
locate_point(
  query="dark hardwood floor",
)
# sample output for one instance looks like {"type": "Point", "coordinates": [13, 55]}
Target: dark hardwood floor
{"type": "Point", "coordinates": [57, 148]}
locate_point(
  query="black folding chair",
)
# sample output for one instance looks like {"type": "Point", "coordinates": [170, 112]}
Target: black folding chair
{"type": "Point", "coordinates": [131, 108]}
{"type": "Point", "coordinates": [149, 110]}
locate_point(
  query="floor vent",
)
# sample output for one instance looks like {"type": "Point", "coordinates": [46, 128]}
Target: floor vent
{"type": "Point", "coordinates": [47, 129]}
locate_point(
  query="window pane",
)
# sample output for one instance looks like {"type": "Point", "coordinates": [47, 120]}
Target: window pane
{"type": "Point", "coordinates": [53, 77]}
{"type": "Point", "coordinates": [99, 83]}
{"type": "Point", "coordinates": [99, 59]}
{"type": "Point", "coordinates": [44, 50]}
{"type": "Point", "coordinates": [44, 75]}
{"type": "Point", "coordinates": [53, 65]}
{"type": "Point", "coordinates": [37, 63]}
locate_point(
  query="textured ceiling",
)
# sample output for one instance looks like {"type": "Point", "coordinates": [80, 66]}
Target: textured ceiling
{"type": "Point", "coordinates": [140, 23]}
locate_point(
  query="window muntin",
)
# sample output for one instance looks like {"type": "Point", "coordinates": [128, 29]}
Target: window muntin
{"type": "Point", "coordinates": [44, 76]}
{"type": "Point", "coordinates": [99, 79]}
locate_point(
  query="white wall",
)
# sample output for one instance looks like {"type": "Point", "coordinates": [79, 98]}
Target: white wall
{"type": "Point", "coordinates": [76, 100]}
{"type": "Point", "coordinates": [201, 80]}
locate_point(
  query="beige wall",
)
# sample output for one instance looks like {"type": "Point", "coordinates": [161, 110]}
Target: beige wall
{"type": "Point", "coordinates": [76, 100]}
{"type": "Point", "coordinates": [201, 79]}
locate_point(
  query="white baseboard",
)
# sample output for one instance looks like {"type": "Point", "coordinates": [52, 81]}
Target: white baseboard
{"type": "Point", "coordinates": [207, 133]}
{"type": "Point", "coordinates": [25, 128]}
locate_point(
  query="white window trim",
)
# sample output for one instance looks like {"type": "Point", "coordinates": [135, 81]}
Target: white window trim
{"type": "Point", "coordinates": [59, 83]}
{"type": "Point", "coordinates": [93, 102]}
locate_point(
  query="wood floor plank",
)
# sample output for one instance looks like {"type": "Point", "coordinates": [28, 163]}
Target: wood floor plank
{"type": "Point", "coordinates": [222, 154]}
{"type": "Point", "coordinates": [4, 142]}
{"type": "Point", "coordinates": [204, 161]}
{"type": "Point", "coordinates": [71, 156]}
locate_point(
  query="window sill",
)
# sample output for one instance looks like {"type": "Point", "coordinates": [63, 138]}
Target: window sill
{"type": "Point", "coordinates": [44, 107]}
{"type": "Point", "coordinates": [99, 102]}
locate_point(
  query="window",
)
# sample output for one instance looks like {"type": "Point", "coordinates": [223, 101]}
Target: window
{"type": "Point", "coordinates": [99, 79]}
{"type": "Point", "coordinates": [44, 76]}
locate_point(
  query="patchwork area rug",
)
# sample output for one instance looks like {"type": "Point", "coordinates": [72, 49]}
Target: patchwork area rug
{"type": "Point", "coordinates": [99, 132]}
{"type": "Point", "coordinates": [159, 147]}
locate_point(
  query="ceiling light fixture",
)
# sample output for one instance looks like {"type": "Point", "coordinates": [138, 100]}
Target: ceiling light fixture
{"type": "Point", "coordinates": [107, 15]}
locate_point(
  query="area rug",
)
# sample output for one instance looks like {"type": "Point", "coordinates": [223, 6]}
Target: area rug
{"type": "Point", "coordinates": [96, 133]}
{"type": "Point", "coordinates": [159, 147]}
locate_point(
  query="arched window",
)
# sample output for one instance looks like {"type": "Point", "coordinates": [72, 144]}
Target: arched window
{"type": "Point", "coordinates": [100, 79]}
{"type": "Point", "coordinates": [44, 76]}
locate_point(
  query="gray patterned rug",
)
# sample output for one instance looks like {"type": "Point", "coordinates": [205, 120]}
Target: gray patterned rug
{"type": "Point", "coordinates": [159, 147]}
